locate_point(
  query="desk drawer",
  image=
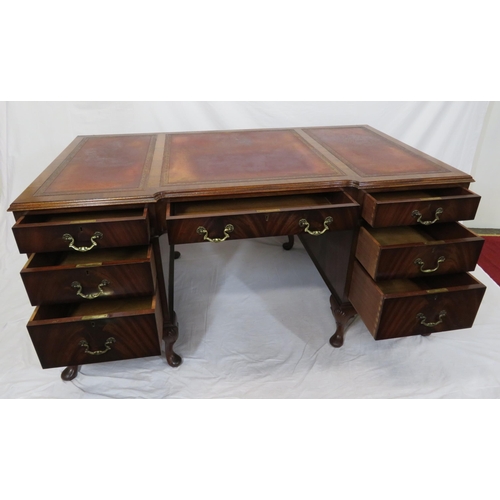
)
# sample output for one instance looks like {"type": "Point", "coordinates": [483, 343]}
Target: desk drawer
{"type": "Point", "coordinates": [59, 277]}
{"type": "Point", "coordinates": [258, 217]}
{"type": "Point", "coordinates": [426, 207]}
{"type": "Point", "coordinates": [77, 334]}
{"type": "Point", "coordinates": [419, 306]}
{"type": "Point", "coordinates": [412, 251]}
{"type": "Point", "coordinates": [84, 231]}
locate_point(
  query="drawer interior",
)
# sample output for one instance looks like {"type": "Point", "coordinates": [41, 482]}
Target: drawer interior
{"type": "Point", "coordinates": [94, 308]}
{"type": "Point", "coordinates": [82, 218]}
{"type": "Point", "coordinates": [256, 205]}
{"type": "Point", "coordinates": [94, 258]}
{"type": "Point", "coordinates": [426, 285]}
{"type": "Point", "coordinates": [421, 194]}
{"type": "Point", "coordinates": [416, 235]}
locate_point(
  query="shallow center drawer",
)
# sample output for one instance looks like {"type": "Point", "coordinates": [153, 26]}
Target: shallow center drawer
{"type": "Point", "coordinates": [418, 306]}
{"type": "Point", "coordinates": [55, 277]}
{"type": "Point", "coordinates": [423, 206]}
{"type": "Point", "coordinates": [81, 232]}
{"type": "Point", "coordinates": [411, 251]}
{"type": "Point", "coordinates": [77, 334]}
{"type": "Point", "coordinates": [220, 220]}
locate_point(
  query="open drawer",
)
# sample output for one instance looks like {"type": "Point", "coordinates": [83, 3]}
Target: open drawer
{"type": "Point", "coordinates": [412, 251]}
{"type": "Point", "coordinates": [418, 306]}
{"type": "Point", "coordinates": [54, 277]}
{"type": "Point", "coordinates": [81, 231]}
{"type": "Point", "coordinates": [220, 220]}
{"type": "Point", "coordinates": [423, 206]}
{"type": "Point", "coordinates": [82, 333]}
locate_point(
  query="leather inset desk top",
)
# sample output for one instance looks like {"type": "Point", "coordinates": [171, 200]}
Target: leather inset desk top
{"type": "Point", "coordinates": [143, 168]}
{"type": "Point", "coordinates": [368, 154]}
{"type": "Point", "coordinates": [242, 156]}
{"type": "Point", "coordinates": [97, 162]}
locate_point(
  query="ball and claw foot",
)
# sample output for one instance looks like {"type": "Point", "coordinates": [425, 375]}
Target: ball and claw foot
{"type": "Point", "coordinates": [69, 373]}
{"type": "Point", "coordinates": [289, 244]}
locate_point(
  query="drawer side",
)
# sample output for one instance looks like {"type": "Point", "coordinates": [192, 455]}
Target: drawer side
{"type": "Point", "coordinates": [366, 298]}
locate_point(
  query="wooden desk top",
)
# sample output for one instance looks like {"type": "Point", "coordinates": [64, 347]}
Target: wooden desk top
{"type": "Point", "coordinates": [143, 168]}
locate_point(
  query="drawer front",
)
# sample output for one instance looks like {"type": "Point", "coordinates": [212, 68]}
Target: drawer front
{"type": "Point", "coordinates": [423, 315]}
{"type": "Point", "coordinates": [413, 207]}
{"type": "Point", "coordinates": [401, 308]}
{"type": "Point", "coordinates": [456, 252]}
{"type": "Point", "coordinates": [81, 232]}
{"type": "Point", "coordinates": [95, 338]}
{"type": "Point", "coordinates": [221, 220]}
{"type": "Point", "coordinates": [87, 282]}
{"type": "Point", "coordinates": [233, 227]}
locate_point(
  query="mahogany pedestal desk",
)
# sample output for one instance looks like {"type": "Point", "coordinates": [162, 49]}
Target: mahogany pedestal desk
{"type": "Point", "coordinates": [378, 218]}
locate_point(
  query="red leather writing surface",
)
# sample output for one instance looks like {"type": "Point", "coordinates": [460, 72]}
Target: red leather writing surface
{"type": "Point", "coordinates": [103, 163]}
{"type": "Point", "coordinates": [106, 170]}
{"type": "Point", "coordinates": [369, 154]}
{"type": "Point", "coordinates": [242, 156]}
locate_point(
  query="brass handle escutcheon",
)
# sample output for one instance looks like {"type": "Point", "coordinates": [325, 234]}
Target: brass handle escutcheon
{"type": "Point", "coordinates": [228, 229]}
{"type": "Point", "coordinates": [68, 237]}
{"type": "Point", "coordinates": [420, 262]}
{"type": "Point", "coordinates": [437, 213]}
{"type": "Point", "coordinates": [90, 296]}
{"type": "Point", "coordinates": [303, 223]}
{"type": "Point", "coordinates": [107, 345]}
{"type": "Point", "coordinates": [421, 317]}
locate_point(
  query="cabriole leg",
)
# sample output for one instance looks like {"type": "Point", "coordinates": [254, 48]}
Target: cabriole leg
{"type": "Point", "coordinates": [289, 244]}
{"type": "Point", "coordinates": [171, 330]}
{"type": "Point", "coordinates": [170, 335]}
{"type": "Point", "coordinates": [344, 315]}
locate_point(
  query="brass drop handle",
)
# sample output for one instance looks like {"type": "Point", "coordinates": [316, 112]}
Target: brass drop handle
{"type": "Point", "coordinates": [90, 296]}
{"type": "Point", "coordinates": [303, 223]}
{"type": "Point", "coordinates": [421, 317]}
{"type": "Point", "coordinates": [107, 345]}
{"type": "Point", "coordinates": [228, 229]}
{"type": "Point", "coordinates": [68, 237]}
{"type": "Point", "coordinates": [420, 262]}
{"type": "Point", "coordinates": [437, 213]}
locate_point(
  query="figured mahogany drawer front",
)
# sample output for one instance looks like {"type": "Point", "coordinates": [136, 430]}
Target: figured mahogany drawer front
{"type": "Point", "coordinates": [423, 207]}
{"type": "Point", "coordinates": [81, 232]}
{"type": "Point", "coordinates": [60, 277]}
{"type": "Point", "coordinates": [76, 334]}
{"type": "Point", "coordinates": [416, 251]}
{"type": "Point", "coordinates": [419, 306]}
{"type": "Point", "coordinates": [259, 217]}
